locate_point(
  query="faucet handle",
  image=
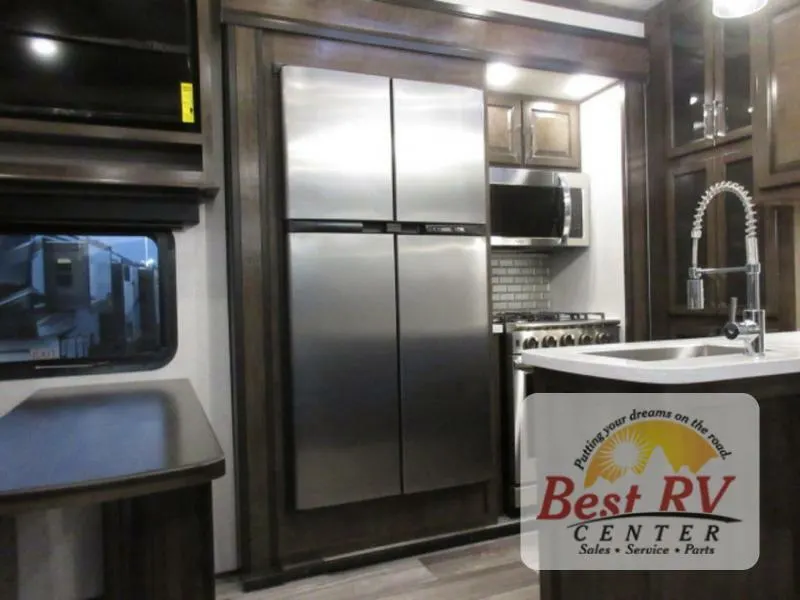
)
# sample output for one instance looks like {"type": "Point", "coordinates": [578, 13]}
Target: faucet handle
{"type": "Point", "coordinates": [733, 309]}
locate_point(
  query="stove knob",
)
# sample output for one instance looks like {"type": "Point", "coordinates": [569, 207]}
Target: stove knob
{"type": "Point", "coordinates": [530, 344]}
{"type": "Point", "coordinates": [550, 342]}
{"type": "Point", "coordinates": [567, 339]}
{"type": "Point", "coordinates": [585, 339]}
{"type": "Point", "coordinates": [603, 338]}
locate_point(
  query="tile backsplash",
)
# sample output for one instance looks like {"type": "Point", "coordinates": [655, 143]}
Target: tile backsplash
{"type": "Point", "coordinates": [520, 281]}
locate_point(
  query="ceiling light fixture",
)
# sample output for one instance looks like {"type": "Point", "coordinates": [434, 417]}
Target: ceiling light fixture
{"type": "Point", "coordinates": [43, 47]}
{"type": "Point", "coordinates": [500, 74]}
{"type": "Point", "coordinates": [735, 9]}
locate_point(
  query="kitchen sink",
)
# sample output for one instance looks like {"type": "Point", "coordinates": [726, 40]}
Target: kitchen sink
{"type": "Point", "coordinates": [678, 352]}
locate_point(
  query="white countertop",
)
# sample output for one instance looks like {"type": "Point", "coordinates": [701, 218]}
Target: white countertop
{"type": "Point", "coordinates": [782, 357]}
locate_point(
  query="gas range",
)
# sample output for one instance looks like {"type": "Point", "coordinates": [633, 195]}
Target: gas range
{"type": "Point", "coordinates": [548, 329]}
{"type": "Point", "coordinates": [528, 331]}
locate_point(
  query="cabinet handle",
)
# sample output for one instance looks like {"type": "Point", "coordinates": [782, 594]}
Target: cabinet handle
{"type": "Point", "coordinates": [708, 121]}
{"type": "Point", "coordinates": [719, 119]}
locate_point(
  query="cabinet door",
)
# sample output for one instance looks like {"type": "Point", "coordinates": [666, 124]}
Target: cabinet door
{"type": "Point", "coordinates": [504, 125]}
{"type": "Point", "coordinates": [552, 134]}
{"type": "Point", "coordinates": [733, 105]}
{"type": "Point", "coordinates": [737, 166]}
{"type": "Point", "coordinates": [690, 76]}
{"type": "Point", "coordinates": [690, 327]}
{"type": "Point", "coordinates": [687, 180]}
{"type": "Point", "coordinates": [776, 53]}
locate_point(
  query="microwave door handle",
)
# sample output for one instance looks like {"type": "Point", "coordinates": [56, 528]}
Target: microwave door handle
{"type": "Point", "coordinates": [567, 200]}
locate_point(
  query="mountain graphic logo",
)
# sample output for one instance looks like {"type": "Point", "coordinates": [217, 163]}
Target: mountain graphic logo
{"type": "Point", "coordinates": [629, 450]}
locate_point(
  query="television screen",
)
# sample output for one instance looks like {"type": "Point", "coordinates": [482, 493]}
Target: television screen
{"type": "Point", "coordinates": [66, 297]}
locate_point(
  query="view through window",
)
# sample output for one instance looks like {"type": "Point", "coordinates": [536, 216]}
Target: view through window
{"type": "Point", "coordinates": [66, 297]}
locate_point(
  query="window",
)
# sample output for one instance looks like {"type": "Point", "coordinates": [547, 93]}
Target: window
{"type": "Point", "coordinates": [84, 303]}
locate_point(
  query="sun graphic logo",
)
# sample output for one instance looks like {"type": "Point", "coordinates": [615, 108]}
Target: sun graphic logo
{"type": "Point", "coordinates": [630, 450]}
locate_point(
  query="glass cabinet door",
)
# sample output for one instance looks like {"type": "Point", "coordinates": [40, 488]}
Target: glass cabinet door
{"type": "Point", "coordinates": [687, 181]}
{"type": "Point", "coordinates": [691, 76]}
{"type": "Point", "coordinates": [734, 102]}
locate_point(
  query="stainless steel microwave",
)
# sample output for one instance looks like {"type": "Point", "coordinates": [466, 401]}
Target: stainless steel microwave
{"type": "Point", "coordinates": [537, 208]}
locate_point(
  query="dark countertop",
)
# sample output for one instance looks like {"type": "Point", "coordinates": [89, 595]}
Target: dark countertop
{"type": "Point", "coordinates": [98, 443]}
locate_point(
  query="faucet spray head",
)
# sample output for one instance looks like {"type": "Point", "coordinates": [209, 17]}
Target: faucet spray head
{"type": "Point", "coordinates": [695, 294]}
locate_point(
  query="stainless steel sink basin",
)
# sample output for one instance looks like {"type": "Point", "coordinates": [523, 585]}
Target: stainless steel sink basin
{"type": "Point", "coordinates": [652, 354]}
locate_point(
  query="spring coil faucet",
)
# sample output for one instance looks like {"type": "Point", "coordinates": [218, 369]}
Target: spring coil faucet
{"type": "Point", "coordinates": [752, 328]}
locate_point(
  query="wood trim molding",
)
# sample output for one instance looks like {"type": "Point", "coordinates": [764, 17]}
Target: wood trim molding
{"type": "Point", "coordinates": [593, 7]}
{"type": "Point", "coordinates": [251, 376]}
{"type": "Point", "coordinates": [656, 128]}
{"type": "Point", "coordinates": [434, 32]}
{"type": "Point", "coordinates": [636, 216]}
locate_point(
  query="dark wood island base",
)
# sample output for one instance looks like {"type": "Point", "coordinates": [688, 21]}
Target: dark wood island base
{"type": "Point", "coordinates": [159, 546]}
{"type": "Point", "coordinates": [144, 452]}
{"type": "Point", "coordinates": [773, 577]}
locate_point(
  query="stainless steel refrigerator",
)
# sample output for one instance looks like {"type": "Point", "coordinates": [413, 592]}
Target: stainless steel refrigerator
{"type": "Point", "coordinates": [387, 275]}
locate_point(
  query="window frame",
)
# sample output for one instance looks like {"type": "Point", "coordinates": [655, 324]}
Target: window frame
{"type": "Point", "coordinates": [168, 309]}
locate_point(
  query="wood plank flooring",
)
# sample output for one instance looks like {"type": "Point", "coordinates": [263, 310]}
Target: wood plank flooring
{"type": "Point", "coordinates": [487, 571]}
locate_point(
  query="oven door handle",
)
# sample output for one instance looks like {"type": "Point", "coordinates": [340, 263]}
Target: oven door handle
{"type": "Point", "coordinates": [567, 201]}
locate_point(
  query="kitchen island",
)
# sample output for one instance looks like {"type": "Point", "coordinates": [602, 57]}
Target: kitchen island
{"type": "Point", "coordinates": [708, 365]}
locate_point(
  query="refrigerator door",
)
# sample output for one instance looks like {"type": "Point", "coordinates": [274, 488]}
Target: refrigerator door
{"type": "Point", "coordinates": [440, 153]}
{"type": "Point", "coordinates": [445, 363]}
{"type": "Point", "coordinates": [338, 145]}
{"type": "Point", "coordinates": [343, 336]}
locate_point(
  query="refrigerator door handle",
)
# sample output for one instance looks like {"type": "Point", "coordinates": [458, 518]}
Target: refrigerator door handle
{"type": "Point", "coordinates": [305, 226]}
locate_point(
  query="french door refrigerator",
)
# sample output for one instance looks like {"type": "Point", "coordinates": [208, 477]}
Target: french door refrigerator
{"type": "Point", "coordinates": [387, 277]}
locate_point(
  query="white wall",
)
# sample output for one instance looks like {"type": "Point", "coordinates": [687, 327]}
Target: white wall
{"type": "Point", "coordinates": [593, 279]}
{"type": "Point", "coordinates": [60, 550]}
{"type": "Point", "coordinates": [555, 14]}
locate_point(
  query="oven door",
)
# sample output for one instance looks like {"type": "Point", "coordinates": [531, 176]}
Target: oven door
{"type": "Point", "coordinates": [529, 208]}
{"type": "Point", "coordinates": [525, 475]}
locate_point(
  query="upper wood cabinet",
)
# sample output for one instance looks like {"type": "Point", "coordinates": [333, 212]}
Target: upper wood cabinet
{"type": "Point", "coordinates": [532, 132]}
{"type": "Point", "coordinates": [776, 55]}
{"type": "Point", "coordinates": [708, 78]}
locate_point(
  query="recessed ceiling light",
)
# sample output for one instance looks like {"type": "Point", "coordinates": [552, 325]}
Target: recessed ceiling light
{"type": "Point", "coordinates": [500, 74]}
{"type": "Point", "coordinates": [43, 47]}
{"type": "Point", "coordinates": [580, 86]}
{"type": "Point", "coordinates": [734, 9]}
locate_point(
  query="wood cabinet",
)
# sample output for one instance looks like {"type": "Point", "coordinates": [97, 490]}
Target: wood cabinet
{"type": "Point", "coordinates": [708, 78]}
{"type": "Point", "coordinates": [722, 244]}
{"type": "Point", "coordinates": [533, 132]}
{"type": "Point", "coordinates": [504, 128]}
{"type": "Point", "coordinates": [776, 55]}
